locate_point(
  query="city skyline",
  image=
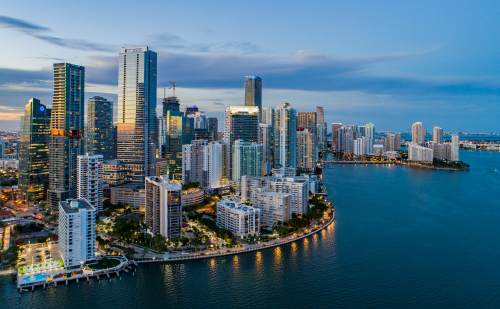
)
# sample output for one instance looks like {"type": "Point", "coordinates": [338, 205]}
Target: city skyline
{"type": "Point", "coordinates": [396, 76]}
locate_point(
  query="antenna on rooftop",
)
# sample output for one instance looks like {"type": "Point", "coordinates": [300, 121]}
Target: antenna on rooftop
{"type": "Point", "coordinates": [172, 83]}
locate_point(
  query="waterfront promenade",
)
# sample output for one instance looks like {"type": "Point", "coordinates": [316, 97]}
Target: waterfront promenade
{"type": "Point", "coordinates": [179, 257]}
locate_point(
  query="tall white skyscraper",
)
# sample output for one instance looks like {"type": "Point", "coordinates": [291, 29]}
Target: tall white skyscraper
{"type": "Point", "coordinates": [76, 232]}
{"type": "Point", "coordinates": [136, 117]}
{"type": "Point", "coordinates": [437, 135]}
{"type": "Point", "coordinates": [163, 206]}
{"type": "Point", "coordinates": [455, 147]}
{"type": "Point", "coordinates": [213, 164]}
{"type": "Point", "coordinates": [417, 133]}
{"type": "Point", "coordinates": [89, 179]}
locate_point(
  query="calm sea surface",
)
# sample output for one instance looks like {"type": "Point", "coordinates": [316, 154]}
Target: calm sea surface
{"type": "Point", "coordinates": [402, 238]}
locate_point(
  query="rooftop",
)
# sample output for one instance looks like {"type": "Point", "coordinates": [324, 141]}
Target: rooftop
{"type": "Point", "coordinates": [74, 205]}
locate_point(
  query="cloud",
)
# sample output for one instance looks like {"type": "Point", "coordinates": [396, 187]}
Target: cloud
{"type": "Point", "coordinates": [43, 33]}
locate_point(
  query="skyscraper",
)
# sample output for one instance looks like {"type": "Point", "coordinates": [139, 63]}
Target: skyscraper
{"type": "Point", "coordinates": [163, 206]}
{"type": "Point", "coordinates": [34, 151]}
{"type": "Point", "coordinates": [100, 129]}
{"type": "Point", "coordinates": [242, 123]}
{"type": "Point", "coordinates": [90, 179]}
{"type": "Point", "coordinates": [335, 127]}
{"type": "Point", "coordinates": [418, 133]}
{"type": "Point", "coordinates": [285, 136]}
{"type": "Point", "coordinates": [266, 139]}
{"type": "Point", "coordinates": [193, 161]}
{"type": "Point", "coordinates": [76, 231]}
{"type": "Point", "coordinates": [307, 120]}
{"type": "Point", "coordinates": [136, 119]}
{"type": "Point", "coordinates": [253, 91]}
{"type": "Point", "coordinates": [213, 164]}
{"type": "Point", "coordinates": [321, 128]}
{"type": "Point", "coordinates": [437, 135]}
{"type": "Point", "coordinates": [455, 147]}
{"type": "Point", "coordinates": [171, 130]}
{"type": "Point", "coordinates": [247, 159]}
{"type": "Point", "coordinates": [213, 128]}
{"type": "Point", "coordinates": [66, 131]}
{"type": "Point", "coordinates": [305, 150]}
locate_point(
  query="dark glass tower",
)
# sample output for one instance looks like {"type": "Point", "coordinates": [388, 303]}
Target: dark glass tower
{"type": "Point", "coordinates": [100, 127]}
{"type": "Point", "coordinates": [34, 151]}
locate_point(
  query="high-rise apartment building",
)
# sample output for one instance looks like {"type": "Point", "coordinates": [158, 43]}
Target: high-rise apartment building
{"type": "Point", "coordinates": [77, 234]}
{"type": "Point", "coordinates": [90, 181]}
{"type": "Point", "coordinates": [420, 153]}
{"type": "Point", "coordinates": [240, 219]}
{"type": "Point", "coordinates": [66, 131]}
{"type": "Point", "coordinates": [266, 140]}
{"type": "Point", "coordinates": [136, 117]}
{"type": "Point", "coordinates": [163, 206]}
{"type": "Point", "coordinates": [335, 127]}
{"type": "Point", "coordinates": [100, 128]}
{"type": "Point", "coordinates": [213, 164]}
{"type": "Point", "coordinates": [274, 206]}
{"type": "Point", "coordinates": [241, 123]}
{"type": "Point", "coordinates": [247, 159]}
{"type": "Point", "coordinates": [193, 162]}
{"type": "Point", "coordinates": [418, 133]}
{"type": "Point", "coordinates": [285, 136]}
{"type": "Point", "coordinates": [392, 142]}
{"type": "Point", "coordinates": [455, 147]}
{"type": "Point", "coordinates": [437, 135]}
{"type": "Point", "coordinates": [253, 91]}
{"type": "Point", "coordinates": [306, 150]}
{"type": "Point", "coordinates": [34, 151]}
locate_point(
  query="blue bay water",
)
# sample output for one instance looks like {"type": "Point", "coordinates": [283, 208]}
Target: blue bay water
{"type": "Point", "coordinates": [402, 238]}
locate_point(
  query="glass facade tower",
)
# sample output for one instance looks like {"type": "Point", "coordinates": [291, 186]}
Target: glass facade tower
{"type": "Point", "coordinates": [100, 127]}
{"type": "Point", "coordinates": [66, 131]}
{"type": "Point", "coordinates": [34, 151]}
{"type": "Point", "coordinates": [136, 119]}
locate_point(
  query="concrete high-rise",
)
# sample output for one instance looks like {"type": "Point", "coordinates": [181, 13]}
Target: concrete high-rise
{"type": "Point", "coordinates": [335, 127]}
{"type": "Point", "coordinates": [266, 140]}
{"type": "Point", "coordinates": [136, 117]}
{"type": "Point", "coordinates": [76, 231]}
{"type": "Point", "coordinates": [213, 164]}
{"type": "Point", "coordinates": [90, 179]}
{"type": "Point", "coordinates": [66, 131]}
{"type": "Point", "coordinates": [253, 91]}
{"type": "Point", "coordinates": [163, 206]}
{"type": "Point", "coordinates": [417, 133]}
{"type": "Point", "coordinates": [193, 161]}
{"type": "Point", "coordinates": [305, 150]}
{"type": "Point", "coordinates": [34, 151]}
{"type": "Point", "coordinates": [100, 129]}
{"type": "Point", "coordinates": [455, 147]}
{"type": "Point", "coordinates": [285, 136]}
{"type": "Point", "coordinates": [437, 135]}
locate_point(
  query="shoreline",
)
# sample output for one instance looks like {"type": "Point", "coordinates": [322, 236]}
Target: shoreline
{"type": "Point", "coordinates": [263, 246]}
{"type": "Point", "coordinates": [399, 163]}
